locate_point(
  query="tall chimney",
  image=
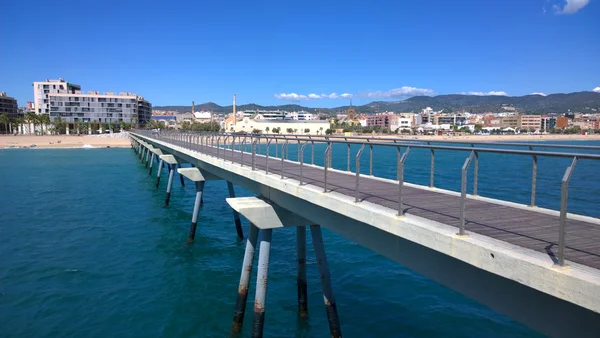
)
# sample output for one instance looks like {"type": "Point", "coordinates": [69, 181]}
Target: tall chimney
{"type": "Point", "coordinates": [193, 108]}
{"type": "Point", "coordinates": [234, 111]}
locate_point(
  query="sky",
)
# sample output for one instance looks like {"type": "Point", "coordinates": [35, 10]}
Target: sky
{"type": "Point", "coordinates": [313, 53]}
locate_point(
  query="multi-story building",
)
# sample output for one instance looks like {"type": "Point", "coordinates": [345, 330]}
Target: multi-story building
{"type": "Point", "coordinates": [300, 116]}
{"type": "Point", "coordinates": [381, 120]}
{"type": "Point", "coordinates": [510, 121]}
{"type": "Point", "coordinates": [563, 122]}
{"type": "Point", "coordinates": [530, 122]}
{"type": "Point", "coordinates": [66, 100]}
{"type": "Point", "coordinates": [8, 105]}
{"type": "Point", "coordinates": [399, 122]}
{"type": "Point", "coordinates": [548, 123]}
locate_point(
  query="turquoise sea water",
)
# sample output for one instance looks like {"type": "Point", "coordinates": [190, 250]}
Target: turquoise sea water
{"type": "Point", "coordinates": [87, 250]}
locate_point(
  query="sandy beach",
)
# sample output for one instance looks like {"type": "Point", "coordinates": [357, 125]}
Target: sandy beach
{"type": "Point", "coordinates": [502, 138]}
{"type": "Point", "coordinates": [64, 141]}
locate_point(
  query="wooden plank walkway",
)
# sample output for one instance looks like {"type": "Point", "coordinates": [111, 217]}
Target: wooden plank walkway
{"type": "Point", "coordinates": [525, 228]}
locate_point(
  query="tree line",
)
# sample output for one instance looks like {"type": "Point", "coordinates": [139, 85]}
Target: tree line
{"type": "Point", "coordinates": [31, 121]}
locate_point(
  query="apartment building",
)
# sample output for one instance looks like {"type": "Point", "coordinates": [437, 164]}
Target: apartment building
{"type": "Point", "coordinates": [510, 121]}
{"type": "Point", "coordinates": [66, 100]}
{"type": "Point", "coordinates": [399, 122]}
{"type": "Point", "coordinates": [8, 105]}
{"type": "Point", "coordinates": [548, 123]}
{"type": "Point", "coordinates": [301, 116]}
{"type": "Point", "coordinates": [381, 120]}
{"type": "Point", "coordinates": [530, 122]}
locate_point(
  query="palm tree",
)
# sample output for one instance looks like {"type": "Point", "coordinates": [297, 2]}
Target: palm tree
{"type": "Point", "coordinates": [321, 129]}
{"type": "Point", "coordinates": [30, 118]}
{"type": "Point", "coordinates": [267, 130]}
{"type": "Point", "coordinates": [5, 119]}
{"type": "Point", "coordinates": [45, 121]}
{"type": "Point", "coordinates": [59, 125]}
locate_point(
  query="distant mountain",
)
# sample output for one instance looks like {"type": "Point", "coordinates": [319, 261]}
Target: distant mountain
{"type": "Point", "coordinates": [536, 104]}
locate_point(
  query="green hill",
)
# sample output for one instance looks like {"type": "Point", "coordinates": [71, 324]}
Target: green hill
{"type": "Point", "coordinates": [537, 104]}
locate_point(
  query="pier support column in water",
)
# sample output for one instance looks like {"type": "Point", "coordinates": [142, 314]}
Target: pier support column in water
{"type": "Point", "coordinates": [151, 163]}
{"type": "Point", "coordinates": [195, 176]}
{"type": "Point", "coordinates": [265, 216]}
{"type": "Point", "coordinates": [160, 165]}
{"type": "Point", "coordinates": [242, 297]}
{"type": "Point", "coordinates": [180, 177]}
{"type": "Point", "coordinates": [169, 184]}
{"type": "Point", "coordinates": [330, 306]}
{"type": "Point", "coordinates": [301, 279]}
{"type": "Point", "coordinates": [199, 190]}
{"type": "Point", "coordinates": [261, 282]}
{"type": "Point", "coordinates": [172, 163]}
{"type": "Point", "coordinates": [236, 215]}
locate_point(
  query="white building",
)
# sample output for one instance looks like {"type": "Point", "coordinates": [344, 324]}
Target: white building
{"type": "Point", "coordinates": [313, 127]}
{"type": "Point", "coordinates": [300, 116]}
{"type": "Point", "coordinates": [66, 100]}
{"type": "Point", "coordinates": [266, 114]}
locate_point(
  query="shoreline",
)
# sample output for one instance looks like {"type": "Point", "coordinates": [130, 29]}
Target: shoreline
{"type": "Point", "coordinates": [64, 141]}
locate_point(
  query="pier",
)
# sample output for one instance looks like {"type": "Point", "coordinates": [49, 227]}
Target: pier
{"type": "Point", "coordinates": [536, 265]}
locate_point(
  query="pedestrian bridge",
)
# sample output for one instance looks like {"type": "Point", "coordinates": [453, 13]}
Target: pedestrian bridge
{"type": "Point", "coordinates": [536, 265]}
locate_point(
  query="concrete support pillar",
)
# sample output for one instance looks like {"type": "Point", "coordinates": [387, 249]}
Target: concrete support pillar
{"type": "Point", "coordinates": [160, 165]}
{"type": "Point", "coordinates": [151, 162]}
{"type": "Point", "coordinates": [330, 306]}
{"type": "Point", "coordinates": [261, 283]}
{"type": "Point", "coordinates": [236, 215]}
{"type": "Point", "coordinates": [169, 184]}
{"type": "Point", "coordinates": [199, 190]}
{"type": "Point", "coordinates": [67, 130]}
{"type": "Point", "coordinates": [147, 157]}
{"type": "Point", "coordinates": [180, 177]}
{"type": "Point", "coordinates": [240, 305]}
{"type": "Point", "coordinates": [301, 279]}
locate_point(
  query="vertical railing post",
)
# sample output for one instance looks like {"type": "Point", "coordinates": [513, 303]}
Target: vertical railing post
{"type": "Point", "coordinates": [348, 160]}
{"type": "Point", "coordinates": [475, 172]}
{"type": "Point", "coordinates": [463, 193]}
{"type": "Point", "coordinates": [327, 164]}
{"type": "Point", "coordinates": [401, 161]}
{"type": "Point", "coordinates": [533, 179]}
{"type": "Point", "coordinates": [283, 146]}
{"type": "Point", "coordinates": [370, 160]}
{"type": "Point", "coordinates": [356, 191]}
{"type": "Point", "coordinates": [253, 147]}
{"type": "Point", "coordinates": [564, 199]}
{"type": "Point", "coordinates": [302, 160]}
{"type": "Point", "coordinates": [432, 169]}
{"type": "Point", "coordinates": [312, 152]}
{"type": "Point", "coordinates": [267, 164]}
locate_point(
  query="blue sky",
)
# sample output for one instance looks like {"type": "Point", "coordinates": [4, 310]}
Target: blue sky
{"type": "Point", "coordinates": [274, 52]}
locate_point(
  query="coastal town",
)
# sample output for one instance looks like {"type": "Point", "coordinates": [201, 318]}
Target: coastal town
{"type": "Point", "coordinates": [60, 107]}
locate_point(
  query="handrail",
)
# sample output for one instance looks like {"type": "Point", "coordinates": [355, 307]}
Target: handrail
{"type": "Point", "coordinates": [206, 140]}
{"type": "Point", "coordinates": [399, 139]}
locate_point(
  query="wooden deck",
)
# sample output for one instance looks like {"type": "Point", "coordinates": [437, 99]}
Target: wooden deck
{"type": "Point", "coordinates": [525, 228]}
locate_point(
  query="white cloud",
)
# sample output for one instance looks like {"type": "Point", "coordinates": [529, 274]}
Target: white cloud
{"type": "Point", "coordinates": [394, 93]}
{"type": "Point", "coordinates": [291, 97]}
{"type": "Point", "coordinates": [542, 94]}
{"type": "Point", "coordinates": [492, 93]}
{"type": "Point", "coordinates": [401, 92]}
{"type": "Point", "coordinates": [597, 90]}
{"type": "Point", "coordinates": [570, 6]}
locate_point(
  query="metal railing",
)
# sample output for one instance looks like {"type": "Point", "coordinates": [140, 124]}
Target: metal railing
{"type": "Point", "coordinates": [211, 143]}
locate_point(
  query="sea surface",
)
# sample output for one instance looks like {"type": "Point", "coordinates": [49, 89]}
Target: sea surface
{"type": "Point", "coordinates": [88, 250]}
